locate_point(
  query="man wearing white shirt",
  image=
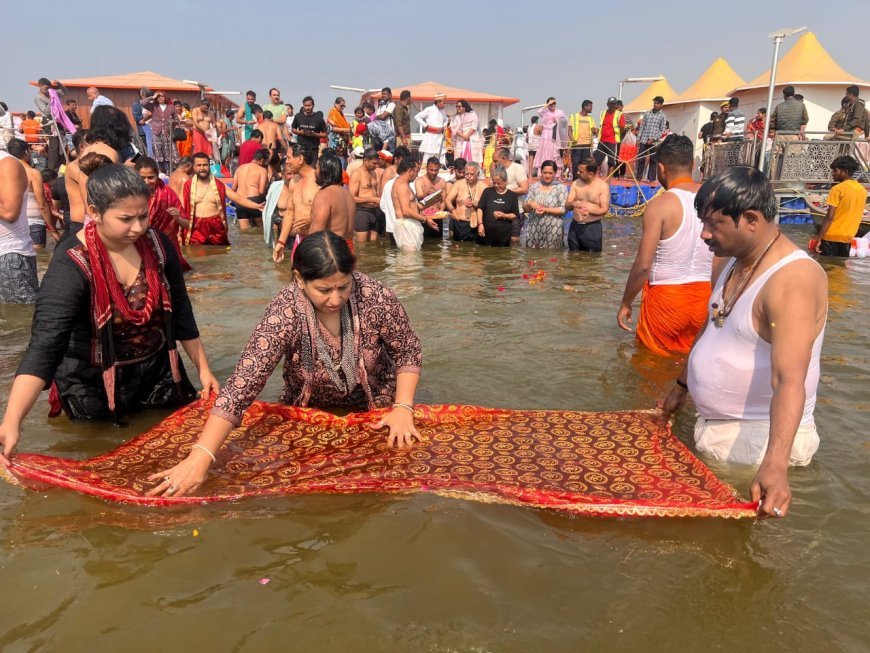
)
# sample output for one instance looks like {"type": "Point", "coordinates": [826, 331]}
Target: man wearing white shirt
{"type": "Point", "coordinates": [433, 120]}
{"type": "Point", "coordinates": [97, 99]}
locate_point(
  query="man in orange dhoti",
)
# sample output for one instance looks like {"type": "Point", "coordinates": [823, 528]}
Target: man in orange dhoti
{"type": "Point", "coordinates": [673, 265]}
{"type": "Point", "coordinates": [201, 124]}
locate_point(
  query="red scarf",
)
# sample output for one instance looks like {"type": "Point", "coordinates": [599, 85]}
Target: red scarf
{"type": "Point", "coordinates": [108, 296]}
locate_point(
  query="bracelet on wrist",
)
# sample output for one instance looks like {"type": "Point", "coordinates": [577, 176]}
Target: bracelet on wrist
{"type": "Point", "coordinates": [681, 384]}
{"type": "Point", "coordinates": [282, 243]}
{"type": "Point", "coordinates": [210, 454]}
{"type": "Point", "coordinates": [408, 407]}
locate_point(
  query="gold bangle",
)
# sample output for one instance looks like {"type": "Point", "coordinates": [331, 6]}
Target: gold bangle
{"type": "Point", "coordinates": [210, 454]}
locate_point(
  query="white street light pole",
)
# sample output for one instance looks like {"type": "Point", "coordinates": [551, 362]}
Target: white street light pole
{"type": "Point", "coordinates": [778, 37]}
{"type": "Point", "coordinates": [633, 80]}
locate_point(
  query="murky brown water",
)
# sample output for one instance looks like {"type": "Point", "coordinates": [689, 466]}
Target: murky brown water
{"type": "Point", "coordinates": [379, 573]}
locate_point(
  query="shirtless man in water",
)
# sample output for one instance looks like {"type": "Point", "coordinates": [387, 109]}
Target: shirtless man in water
{"type": "Point", "coordinates": [93, 155]}
{"type": "Point", "coordinates": [251, 181]}
{"type": "Point", "coordinates": [426, 185]}
{"type": "Point", "coordinates": [589, 198]}
{"type": "Point", "coordinates": [201, 124]}
{"type": "Point", "coordinates": [364, 189]}
{"type": "Point", "coordinates": [272, 138]}
{"type": "Point", "coordinates": [462, 203]}
{"type": "Point", "coordinates": [302, 192]}
{"type": "Point", "coordinates": [333, 208]}
{"type": "Point", "coordinates": [180, 175]}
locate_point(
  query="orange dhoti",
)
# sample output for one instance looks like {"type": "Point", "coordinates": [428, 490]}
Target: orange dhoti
{"type": "Point", "coordinates": [671, 316]}
{"type": "Point", "coordinates": [208, 231]}
{"type": "Point", "coordinates": [201, 143]}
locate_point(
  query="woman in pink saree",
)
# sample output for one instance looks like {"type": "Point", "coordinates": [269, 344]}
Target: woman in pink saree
{"type": "Point", "coordinates": [553, 136]}
{"type": "Point", "coordinates": [466, 138]}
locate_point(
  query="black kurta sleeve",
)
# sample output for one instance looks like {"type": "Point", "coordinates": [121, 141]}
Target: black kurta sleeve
{"type": "Point", "coordinates": [62, 305]}
{"type": "Point", "coordinates": [182, 312]}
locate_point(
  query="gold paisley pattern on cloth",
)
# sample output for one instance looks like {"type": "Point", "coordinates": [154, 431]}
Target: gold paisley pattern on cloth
{"type": "Point", "coordinates": [612, 464]}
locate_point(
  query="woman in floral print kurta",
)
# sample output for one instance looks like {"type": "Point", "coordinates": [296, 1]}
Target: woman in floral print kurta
{"type": "Point", "coordinates": [346, 342]}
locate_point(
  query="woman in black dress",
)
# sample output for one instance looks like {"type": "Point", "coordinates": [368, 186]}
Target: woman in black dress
{"type": "Point", "coordinates": [497, 208]}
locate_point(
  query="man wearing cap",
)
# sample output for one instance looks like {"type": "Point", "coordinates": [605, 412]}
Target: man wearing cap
{"type": "Point", "coordinates": [610, 135]}
{"type": "Point", "coordinates": [652, 126]}
{"type": "Point", "coordinates": [719, 124]}
{"type": "Point", "coordinates": [433, 120]}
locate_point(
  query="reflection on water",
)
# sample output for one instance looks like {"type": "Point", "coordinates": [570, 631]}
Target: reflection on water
{"type": "Point", "coordinates": [423, 573]}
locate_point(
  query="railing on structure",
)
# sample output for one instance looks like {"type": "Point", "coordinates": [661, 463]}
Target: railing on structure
{"type": "Point", "coordinates": [793, 160]}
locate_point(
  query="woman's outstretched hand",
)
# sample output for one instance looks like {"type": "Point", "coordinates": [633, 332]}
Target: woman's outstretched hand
{"type": "Point", "coordinates": [402, 430]}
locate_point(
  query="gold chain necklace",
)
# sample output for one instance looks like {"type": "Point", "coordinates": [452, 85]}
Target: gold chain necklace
{"type": "Point", "coordinates": [719, 314]}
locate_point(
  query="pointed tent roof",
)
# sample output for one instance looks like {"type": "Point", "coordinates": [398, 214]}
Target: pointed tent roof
{"type": "Point", "coordinates": [137, 80]}
{"type": "Point", "coordinates": [426, 91]}
{"type": "Point", "coordinates": [714, 84]}
{"type": "Point", "coordinates": [643, 102]}
{"type": "Point", "coordinates": [807, 63]}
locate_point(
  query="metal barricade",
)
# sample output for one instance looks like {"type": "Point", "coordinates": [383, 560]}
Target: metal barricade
{"type": "Point", "coordinates": [721, 156]}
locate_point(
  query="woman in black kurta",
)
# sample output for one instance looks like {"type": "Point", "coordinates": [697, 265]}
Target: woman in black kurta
{"type": "Point", "coordinates": [111, 307]}
{"type": "Point", "coordinates": [497, 208]}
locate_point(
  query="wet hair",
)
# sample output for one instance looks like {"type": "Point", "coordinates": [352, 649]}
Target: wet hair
{"type": "Point", "coordinates": [307, 154]}
{"type": "Point", "coordinates": [401, 152]}
{"type": "Point", "coordinates": [464, 104]}
{"type": "Point", "coordinates": [17, 148]}
{"type": "Point", "coordinates": [788, 91]}
{"type": "Point", "coordinates": [549, 164]}
{"type": "Point", "coordinates": [321, 255]}
{"type": "Point", "coordinates": [267, 115]}
{"type": "Point", "coordinates": [733, 192]}
{"type": "Point", "coordinates": [262, 155]}
{"type": "Point", "coordinates": [111, 126]}
{"type": "Point", "coordinates": [330, 170]}
{"type": "Point", "coordinates": [308, 98]}
{"type": "Point", "coordinates": [590, 164]}
{"type": "Point", "coordinates": [93, 161]}
{"type": "Point", "coordinates": [676, 152]}
{"type": "Point", "coordinates": [498, 171]}
{"type": "Point", "coordinates": [459, 164]}
{"type": "Point", "coordinates": [256, 133]}
{"type": "Point", "coordinates": [184, 161]}
{"type": "Point", "coordinates": [405, 164]}
{"type": "Point", "coordinates": [201, 155]}
{"type": "Point", "coordinates": [852, 90]}
{"type": "Point", "coordinates": [147, 163]}
{"type": "Point", "coordinates": [369, 153]}
{"type": "Point", "coordinates": [845, 163]}
{"type": "Point", "coordinates": [112, 184]}
{"type": "Point", "coordinates": [433, 159]}
{"type": "Point", "coordinates": [48, 175]}
{"type": "Point", "coordinates": [405, 95]}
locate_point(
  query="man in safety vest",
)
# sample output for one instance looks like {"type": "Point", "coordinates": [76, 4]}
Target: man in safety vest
{"type": "Point", "coordinates": [610, 135]}
{"type": "Point", "coordinates": [581, 131]}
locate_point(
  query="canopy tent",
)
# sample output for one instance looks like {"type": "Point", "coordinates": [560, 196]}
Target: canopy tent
{"type": "Point", "coordinates": [813, 72]}
{"type": "Point", "coordinates": [643, 102]}
{"type": "Point", "coordinates": [486, 105]}
{"type": "Point", "coordinates": [123, 91]}
{"type": "Point", "coordinates": [691, 109]}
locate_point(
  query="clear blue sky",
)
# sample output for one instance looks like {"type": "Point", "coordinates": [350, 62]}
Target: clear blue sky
{"type": "Point", "coordinates": [529, 50]}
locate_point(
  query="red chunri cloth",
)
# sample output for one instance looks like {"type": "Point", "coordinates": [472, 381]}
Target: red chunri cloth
{"type": "Point", "coordinates": [612, 464]}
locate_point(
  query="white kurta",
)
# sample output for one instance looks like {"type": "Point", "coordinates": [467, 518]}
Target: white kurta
{"type": "Point", "coordinates": [432, 116]}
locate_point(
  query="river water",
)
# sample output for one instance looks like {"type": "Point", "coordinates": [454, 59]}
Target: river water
{"type": "Point", "coordinates": [424, 573]}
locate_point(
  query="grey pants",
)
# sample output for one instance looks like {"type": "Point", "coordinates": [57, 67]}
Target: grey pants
{"type": "Point", "coordinates": [18, 282]}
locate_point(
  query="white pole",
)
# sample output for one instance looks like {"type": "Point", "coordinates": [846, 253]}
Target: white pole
{"type": "Point", "coordinates": [777, 39]}
{"type": "Point", "coordinates": [621, 84]}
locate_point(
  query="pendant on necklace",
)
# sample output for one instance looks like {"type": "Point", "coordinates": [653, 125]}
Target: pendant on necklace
{"type": "Point", "coordinates": [718, 316]}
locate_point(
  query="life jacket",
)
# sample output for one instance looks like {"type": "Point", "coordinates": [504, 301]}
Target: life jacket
{"type": "Point", "coordinates": [617, 114]}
